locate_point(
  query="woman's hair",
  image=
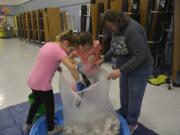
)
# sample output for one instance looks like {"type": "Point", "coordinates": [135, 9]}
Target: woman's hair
{"type": "Point", "coordinates": [85, 38]}
{"type": "Point", "coordinates": [68, 36]}
{"type": "Point", "coordinates": [115, 18]}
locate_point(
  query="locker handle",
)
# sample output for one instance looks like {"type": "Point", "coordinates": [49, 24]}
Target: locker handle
{"type": "Point", "coordinates": [101, 36]}
{"type": "Point", "coordinates": [169, 30]}
{"type": "Point", "coordinates": [128, 13]}
{"type": "Point", "coordinates": [159, 12]}
{"type": "Point", "coordinates": [87, 15]}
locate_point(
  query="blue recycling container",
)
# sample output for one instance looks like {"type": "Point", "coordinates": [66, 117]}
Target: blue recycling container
{"type": "Point", "coordinates": [40, 128]}
{"type": "Point", "coordinates": [124, 129]}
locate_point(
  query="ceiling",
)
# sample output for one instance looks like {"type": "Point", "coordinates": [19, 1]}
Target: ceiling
{"type": "Point", "coordinates": [12, 2]}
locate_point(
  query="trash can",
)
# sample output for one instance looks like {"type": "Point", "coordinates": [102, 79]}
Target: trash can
{"type": "Point", "coordinates": [41, 109]}
{"type": "Point", "coordinates": [124, 129]}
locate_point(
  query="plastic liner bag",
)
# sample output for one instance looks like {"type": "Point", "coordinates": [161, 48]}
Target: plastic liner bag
{"type": "Point", "coordinates": [94, 115]}
{"type": "Point", "coordinates": [90, 71]}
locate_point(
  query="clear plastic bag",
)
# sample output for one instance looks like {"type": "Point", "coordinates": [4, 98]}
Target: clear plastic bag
{"type": "Point", "coordinates": [95, 114]}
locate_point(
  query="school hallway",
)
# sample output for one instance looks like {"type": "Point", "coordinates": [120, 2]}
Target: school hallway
{"type": "Point", "coordinates": [160, 109]}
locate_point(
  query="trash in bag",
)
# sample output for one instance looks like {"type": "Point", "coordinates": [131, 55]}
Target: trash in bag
{"type": "Point", "coordinates": [95, 114]}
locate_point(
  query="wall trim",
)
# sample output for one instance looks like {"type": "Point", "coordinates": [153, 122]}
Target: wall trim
{"type": "Point", "coordinates": [60, 6]}
{"type": "Point", "coordinates": [63, 6]}
{"type": "Point", "coordinates": [25, 2]}
{"type": "Point", "coordinates": [19, 4]}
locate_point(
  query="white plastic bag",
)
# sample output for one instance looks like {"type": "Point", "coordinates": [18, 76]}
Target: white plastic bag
{"type": "Point", "coordinates": [91, 72]}
{"type": "Point", "coordinates": [95, 114]}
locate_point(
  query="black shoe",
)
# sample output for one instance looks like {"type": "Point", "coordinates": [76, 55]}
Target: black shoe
{"type": "Point", "coordinates": [142, 130]}
{"type": "Point", "coordinates": [122, 113]}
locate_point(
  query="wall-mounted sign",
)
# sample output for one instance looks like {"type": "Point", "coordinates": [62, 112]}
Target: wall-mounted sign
{"type": "Point", "coordinates": [4, 10]}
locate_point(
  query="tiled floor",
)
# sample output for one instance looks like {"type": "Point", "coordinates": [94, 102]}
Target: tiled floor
{"type": "Point", "coordinates": [161, 107]}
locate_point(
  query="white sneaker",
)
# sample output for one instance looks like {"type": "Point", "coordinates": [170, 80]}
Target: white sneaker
{"type": "Point", "coordinates": [26, 128]}
{"type": "Point", "coordinates": [57, 129]}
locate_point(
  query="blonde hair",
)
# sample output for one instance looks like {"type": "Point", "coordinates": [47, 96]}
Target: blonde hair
{"type": "Point", "coordinates": [69, 36]}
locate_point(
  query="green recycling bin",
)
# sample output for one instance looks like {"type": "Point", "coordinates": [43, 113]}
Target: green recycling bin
{"type": "Point", "coordinates": [41, 109]}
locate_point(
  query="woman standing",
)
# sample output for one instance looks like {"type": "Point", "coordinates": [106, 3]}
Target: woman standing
{"type": "Point", "coordinates": [131, 61]}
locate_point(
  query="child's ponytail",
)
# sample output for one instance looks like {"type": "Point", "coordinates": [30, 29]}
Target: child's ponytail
{"type": "Point", "coordinates": [69, 36]}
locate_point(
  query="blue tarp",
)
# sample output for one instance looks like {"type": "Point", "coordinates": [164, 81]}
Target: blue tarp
{"type": "Point", "coordinates": [12, 118]}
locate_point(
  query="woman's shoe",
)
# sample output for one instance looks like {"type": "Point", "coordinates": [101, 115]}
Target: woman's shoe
{"type": "Point", "coordinates": [132, 128]}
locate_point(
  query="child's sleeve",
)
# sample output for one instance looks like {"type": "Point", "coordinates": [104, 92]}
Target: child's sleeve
{"type": "Point", "coordinates": [61, 54]}
{"type": "Point", "coordinates": [98, 49]}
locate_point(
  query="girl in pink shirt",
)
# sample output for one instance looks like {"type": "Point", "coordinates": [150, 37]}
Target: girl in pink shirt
{"type": "Point", "coordinates": [40, 77]}
{"type": "Point", "coordinates": [89, 52]}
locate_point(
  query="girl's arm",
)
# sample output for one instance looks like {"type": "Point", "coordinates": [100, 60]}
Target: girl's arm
{"type": "Point", "coordinates": [67, 62]}
{"type": "Point", "coordinates": [99, 54]}
{"type": "Point", "coordinates": [73, 61]}
{"type": "Point", "coordinates": [98, 49]}
{"type": "Point", "coordinates": [72, 56]}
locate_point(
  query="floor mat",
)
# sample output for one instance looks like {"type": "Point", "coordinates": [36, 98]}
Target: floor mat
{"type": "Point", "coordinates": [12, 118]}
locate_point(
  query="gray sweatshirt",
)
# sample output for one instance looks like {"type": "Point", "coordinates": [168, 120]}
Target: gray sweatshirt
{"type": "Point", "coordinates": [129, 49]}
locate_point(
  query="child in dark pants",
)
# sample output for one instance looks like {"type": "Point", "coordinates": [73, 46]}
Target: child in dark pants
{"type": "Point", "coordinates": [40, 78]}
{"type": "Point", "coordinates": [48, 98]}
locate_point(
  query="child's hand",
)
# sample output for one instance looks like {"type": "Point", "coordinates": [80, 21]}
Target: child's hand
{"type": "Point", "coordinates": [59, 69]}
{"type": "Point", "coordinates": [99, 62]}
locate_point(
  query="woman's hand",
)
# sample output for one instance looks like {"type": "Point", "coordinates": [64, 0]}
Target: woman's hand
{"type": "Point", "coordinates": [114, 74]}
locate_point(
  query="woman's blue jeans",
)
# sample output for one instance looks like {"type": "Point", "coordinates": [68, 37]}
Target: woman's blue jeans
{"type": "Point", "coordinates": [132, 88]}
